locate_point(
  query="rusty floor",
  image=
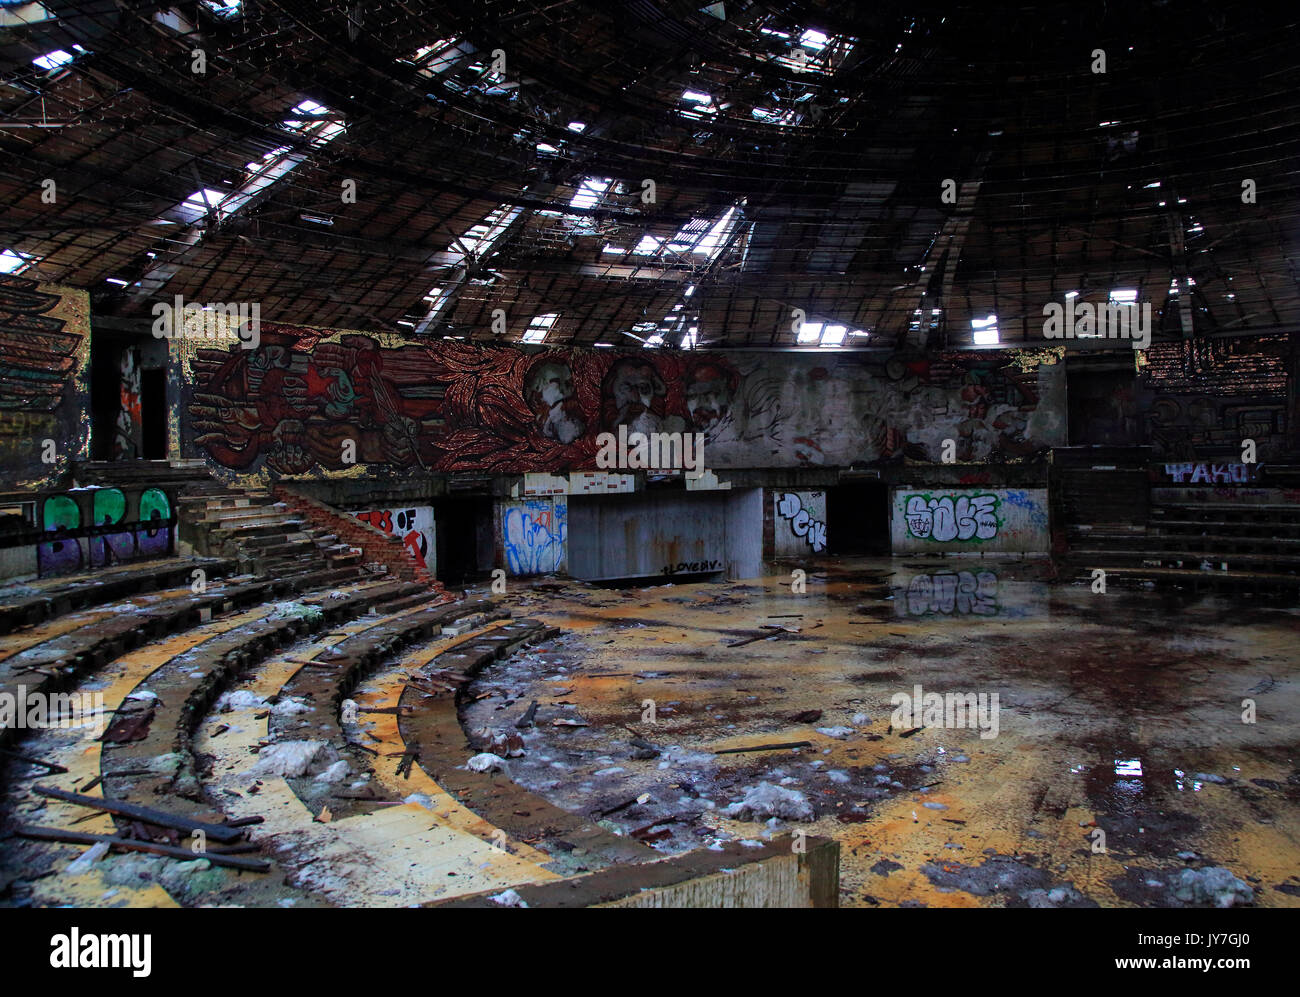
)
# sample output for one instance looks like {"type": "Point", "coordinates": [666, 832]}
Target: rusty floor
{"type": "Point", "coordinates": [1121, 757]}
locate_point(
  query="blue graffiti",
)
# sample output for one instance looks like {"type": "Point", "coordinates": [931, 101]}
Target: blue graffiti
{"type": "Point", "coordinates": [535, 536]}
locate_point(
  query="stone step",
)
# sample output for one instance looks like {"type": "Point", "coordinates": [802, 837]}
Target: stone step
{"type": "Point", "coordinates": [241, 518]}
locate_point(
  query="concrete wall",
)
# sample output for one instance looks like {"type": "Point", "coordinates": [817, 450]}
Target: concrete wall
{"type": "Point", "coordinates": [744, 536]}
{"type": "Point", "coordinates": [666, 534]}
{"type": "Point", "coordinates": [969, 520]}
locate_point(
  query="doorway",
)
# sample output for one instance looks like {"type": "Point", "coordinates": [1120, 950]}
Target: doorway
{"type": "Point", "coordinates": [857, 519]}
{"type": "Point", "coordinates": [463, 533]}
{"type": "Point", "coordinates": [153, 413]}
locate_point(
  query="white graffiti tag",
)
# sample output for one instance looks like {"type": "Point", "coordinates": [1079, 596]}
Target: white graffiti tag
{"type": "Point", "coordinates": [966, 517]}
{"type": "Point", "coordinates": [945, 592]}
{"type": "Point", "coordinates": [801, 523]}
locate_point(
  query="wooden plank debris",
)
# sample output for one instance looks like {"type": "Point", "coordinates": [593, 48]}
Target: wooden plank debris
{"type": "Point", "coordinates": [217, 832]}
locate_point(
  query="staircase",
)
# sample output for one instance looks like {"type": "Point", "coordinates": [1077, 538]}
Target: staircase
{"type": "Point", "coordinates": [1244, 539]}
{"type": "Point", "coordinates": [263, 536]}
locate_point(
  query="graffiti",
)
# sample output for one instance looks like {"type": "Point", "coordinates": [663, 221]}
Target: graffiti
{"type": "Point", "coordinates": [413, 525]}
{"type": "Point", "coordinates": [1216, 474]}
{"type": "Point", "coordinates": [535, 533]}
{"type": "Point", "coordinates": [288, 405]}
{"type": "Point", "coordinates": [966, 517]}
{"type": "Point", "coordinates": [128, 426]}
{"type": "Point", "coordinates": [802, 524]}
{"type": "Point", "coordinates": [690, 567]}
{"type": "Point", "coordinates": [963, 593]}
{"type": "Point", "coordinates": [58, 557]}
{"type": "Point", "coordinates": [84, 520]}
{"type": "Point", "coordinates": [40, 360]}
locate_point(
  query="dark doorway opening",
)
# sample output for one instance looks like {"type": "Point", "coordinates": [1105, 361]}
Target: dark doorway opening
{"type": "Point", "coordinates": [463, 532]}
{"type": "Point", "coordinates": [857, 518]}
{"type": "Point", "coordinates": [105, 393]}
{"type": "Point", "coordinates": [153, 413]}
{"type": "Point", "coordinates": [1103, 407]}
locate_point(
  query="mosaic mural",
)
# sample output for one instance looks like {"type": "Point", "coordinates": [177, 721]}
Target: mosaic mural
{"type": "Point", "coordinates": [309, 403]}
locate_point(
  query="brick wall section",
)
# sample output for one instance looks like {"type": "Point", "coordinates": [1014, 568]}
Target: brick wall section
{"type": "Point", "coordinates": [376, 545]}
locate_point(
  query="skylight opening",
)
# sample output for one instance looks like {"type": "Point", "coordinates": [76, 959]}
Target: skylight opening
{"type": "Point", "coordinates": [481, 236]}
{"type": "Point", "coordinates": [590, 192]}
{"type": "Point", "coordinates": [775, 117]}
{"type": "Point", "coordinates": [547, 148]}
{"type": "Point", "coordinates": [648, 246]}
{"type": "Point", "coordinates": [984, 331]}
{"type": "Point", "coordinates": [440, 56]}
{"type": "Point", "coordinates": [810, 332]}
{"type": "Point", "coordinates": [691, 338]}
{"type": "Point", "coordinates": [53, 60]}
{"type": "Point", "coordinates": [539, 326]}
{"type": "Point", "coordinates": [224, 8]}
{"type": "Point", "coordinates": [15, 262]}
{"type": "Point", "coordinates": [712, 243]}
{"type": "Point", "coordinates": [58, 57]}
{"type": "Point", "coordinates": [703, 103]}
{"type": "Point", "coordinates": [834, 335]}
{"type": "Point", "coordinates": [205, 200]}
{"type": "Point", "coordinates": [273, 166]}
{"type": "Point", "coordinates": [577, 126]}
{"type": "Point", "coordinates": [1123, 296]}
{"type": "Point", "coordinates": [814, 39]}
{"type": "Point", "coordinates": [321, 131]}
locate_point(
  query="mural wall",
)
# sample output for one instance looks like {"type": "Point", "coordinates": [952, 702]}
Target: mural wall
{"type": "Point", "coordinates": [969, 520]}
{"type": "Point", "coordinates": [305, 400]}
{"type": "Point", "coordinates": [44, 395]}
{"type": "Point", "coordinates": [413, 524]}
{"type": "Point", "coordinates": [103, 526]}
{"type": "Point", "coordinates": [535, 535]}
{"type": "Point", "coordinates": [1197, 400]}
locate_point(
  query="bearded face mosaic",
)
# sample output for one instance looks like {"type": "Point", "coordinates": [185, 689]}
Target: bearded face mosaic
{"type": "Point", "coordinates": [306, 403]}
